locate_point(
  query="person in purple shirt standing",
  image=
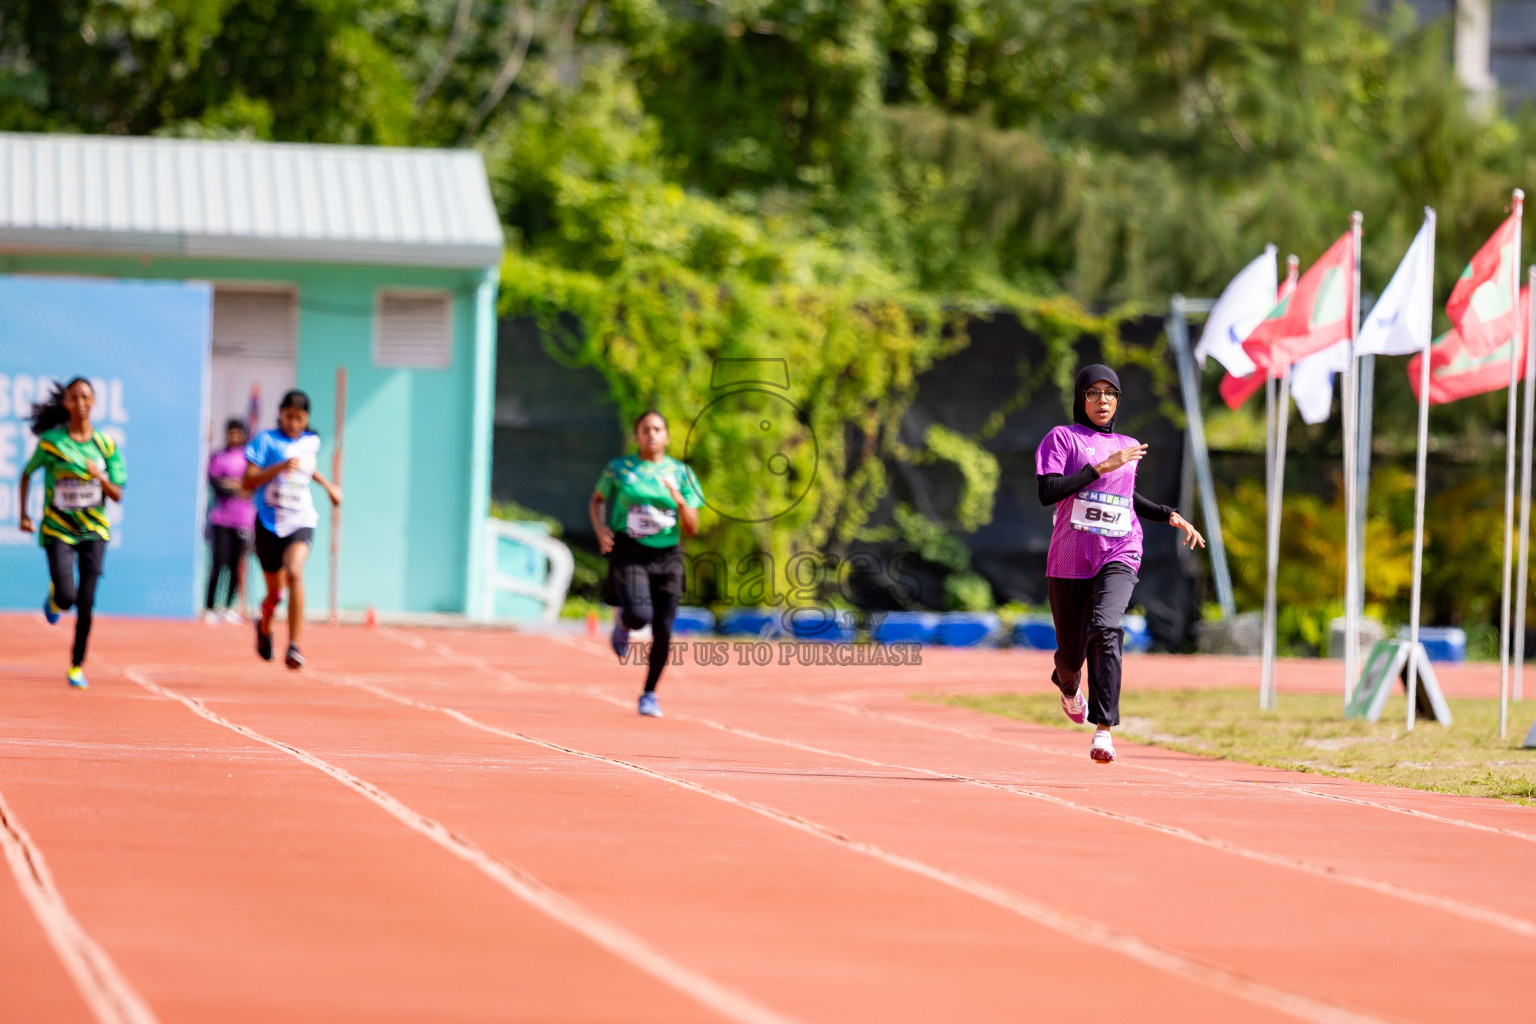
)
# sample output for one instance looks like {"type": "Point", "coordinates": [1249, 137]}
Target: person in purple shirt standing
{"type": "Point", "coordinates": [1088, 471]}
{"type": "Point", "coordinates": [230, 522]}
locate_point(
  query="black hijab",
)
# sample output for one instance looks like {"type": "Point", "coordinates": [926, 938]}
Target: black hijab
{"type": "Point", "coordinates": [1086, 376]}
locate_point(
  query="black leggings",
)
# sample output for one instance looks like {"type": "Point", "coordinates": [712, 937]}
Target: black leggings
{"type": "Point", "coordinates": [647, 588]}
{"type": "Point", "coordinates": [1087, 614]}
{"type": "Point", "coordinates": [66, 595]}
{"type": "Point", "coordinates": [228, 552]}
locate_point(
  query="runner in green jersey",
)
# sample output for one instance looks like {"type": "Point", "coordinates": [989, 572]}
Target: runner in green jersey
{"type": "Point", "coordinates": [640, 508]}
{"type": "Point", "coordinates": [82, 468]}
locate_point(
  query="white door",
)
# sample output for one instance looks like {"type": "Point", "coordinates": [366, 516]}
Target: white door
{"type": "Point", "coordinates": [254, 347]}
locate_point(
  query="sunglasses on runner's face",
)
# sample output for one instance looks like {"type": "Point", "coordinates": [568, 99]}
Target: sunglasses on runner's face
{"type": "Point", "coordinates": [1095, 394]}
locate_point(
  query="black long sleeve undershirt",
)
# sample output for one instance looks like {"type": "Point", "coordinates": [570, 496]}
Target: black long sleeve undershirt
{"type": "Point", "coordinates": [1054, 487]}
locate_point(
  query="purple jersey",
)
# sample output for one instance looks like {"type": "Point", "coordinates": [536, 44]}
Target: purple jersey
{"type": "Point", "coordinates": [235, 512]}
{"type": "Point", "coordinates": [1097, 525]}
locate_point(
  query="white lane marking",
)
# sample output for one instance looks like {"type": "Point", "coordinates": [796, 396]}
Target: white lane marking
{"type": "Point", "coordinates": [110, 998]}
{"type": "Point", "coordinates": [1292, 788]}
{"type": "Point", "coordinates": [1286, 787]}
{"type": "Point", "coordinates": [1128, 944]}
{"type": "Point", "coordinates": [1411, 812]}
{"type": "Point", "coordinates": [605, 933]}
{"type": "Point", "coordinates": [838, 705]}
{"type": "Point", "coordinates": [1459, 908]}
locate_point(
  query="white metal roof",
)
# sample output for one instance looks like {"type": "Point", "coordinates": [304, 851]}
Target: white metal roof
{"type": "Point", "coordinates": [246, 200]}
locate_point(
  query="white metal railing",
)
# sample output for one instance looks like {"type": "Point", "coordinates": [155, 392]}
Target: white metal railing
{"type": "Point", "coordinates": [557, 576]}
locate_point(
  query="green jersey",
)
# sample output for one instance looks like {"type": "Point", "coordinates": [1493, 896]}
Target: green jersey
{"type": "Point", "coordinates": [75, 509]}
{"type": "Point", "coordinates": [639, 503]}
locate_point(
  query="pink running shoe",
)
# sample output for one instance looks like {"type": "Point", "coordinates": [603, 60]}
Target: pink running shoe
{"type": "Point", "coordinates": [1075, 706]}
{"type": "Point", "coordinates": [1103, 749]}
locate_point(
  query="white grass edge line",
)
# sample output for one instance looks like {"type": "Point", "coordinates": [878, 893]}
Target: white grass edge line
{"type": "Point", "coordinates": [1282, 788]}
{"type": "Point", "coordinates": [1446, 904]}
{"type": "Point", "coordinates": [601, 931]}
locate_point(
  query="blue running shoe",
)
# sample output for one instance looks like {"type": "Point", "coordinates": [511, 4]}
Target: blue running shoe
{"type": "Point", "coordinates": [77, 678]}
{"type": "Point", "coordinates": [648, 706]}
{"type": "Point", "coordinates": [619, 641]}
{"type": "Point", "coordinates": [50, 610]}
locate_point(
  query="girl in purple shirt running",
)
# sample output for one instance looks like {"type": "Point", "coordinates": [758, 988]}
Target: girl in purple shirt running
{"type": "Point", "coordinates": [1088, 471]}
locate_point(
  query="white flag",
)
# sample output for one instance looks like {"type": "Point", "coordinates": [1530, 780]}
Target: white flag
{"type": "Point", "coordinates": [1402, 318]}
{"type": "Point", "coordinates": [1399, 324]}
{"type": "Point", "coordinates": [1312, 381]}
{"type": "Point", "coordinates": [1245, 302]}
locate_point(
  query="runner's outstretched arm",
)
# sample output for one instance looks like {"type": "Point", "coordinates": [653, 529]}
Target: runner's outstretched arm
{"type": "Point", "coordinates": [331, 490]}
{"type": "Point", "coordinates": [256, 477]}
{"type": "Point", "coordinates": [24, 521]}
{"type": "Point", "coordinates": [687, 516]}
{"type": "Point", "coordinates": [597, 511]}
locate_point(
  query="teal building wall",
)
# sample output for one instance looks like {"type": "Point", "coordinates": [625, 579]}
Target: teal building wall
{"type": "Point", "coordinates": [416, 452]}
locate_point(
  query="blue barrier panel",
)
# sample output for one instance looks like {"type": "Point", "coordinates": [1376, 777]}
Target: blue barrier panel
{"type": "Point", "coordinates": [1138, 639]}
{"type": "Point", "coordinates": [968, 629]}
{"type": "Point", "coordinates": [821, 624]}
{"type": "Point", "coordinates": [761, 622]}
{"type": "Point", "coordinates": [906, 627]}
{"type": "Point", "coordinates": [693, 620]}
{"type": "Point", "coordinates": [145, 346]}
{"type": "Point", "coordinates": [1036, 633]}
{"type": "Point", "coordinates": [1441, 643]}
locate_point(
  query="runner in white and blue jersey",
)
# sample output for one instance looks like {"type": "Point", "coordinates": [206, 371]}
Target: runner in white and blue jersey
{"type": "Point", "coordinates": [280, 464]}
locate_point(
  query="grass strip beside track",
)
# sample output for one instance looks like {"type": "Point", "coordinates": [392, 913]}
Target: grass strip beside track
{"type": "Point", "coordinates": [1309, 733]}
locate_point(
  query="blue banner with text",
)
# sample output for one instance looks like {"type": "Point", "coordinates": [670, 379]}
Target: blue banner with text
{"type": "Point", "coordinates": [144, 347]}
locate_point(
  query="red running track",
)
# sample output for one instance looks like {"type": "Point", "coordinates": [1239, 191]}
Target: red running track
{"type": "Point", "coordinates": [437, 825]}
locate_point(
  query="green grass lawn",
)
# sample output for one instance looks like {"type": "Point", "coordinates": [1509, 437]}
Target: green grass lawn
{"type": "Point", "coordinates": [1310, 734]}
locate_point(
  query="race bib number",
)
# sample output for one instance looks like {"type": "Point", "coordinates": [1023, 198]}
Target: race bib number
{"type": "Point", "coordinates": [1108, 515]}
{"type": "Point", "coordinates": [648, 520]}
{"type": "Point", "coordinates": [288, 490]}
{"type": "Point", "coordinates": [72, 492]}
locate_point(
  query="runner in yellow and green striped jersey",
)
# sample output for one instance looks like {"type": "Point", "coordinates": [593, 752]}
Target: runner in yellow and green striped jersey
{"type": "Point", "coordinates": [74, 507]}
{"type": "Point", "coordinates": [82, 469]}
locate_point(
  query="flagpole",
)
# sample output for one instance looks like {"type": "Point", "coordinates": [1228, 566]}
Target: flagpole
{"type": "Point", "coordinates": [1509, 475]}
{"type": "Point", "coordinates": [1274, 487]}
{"type": "Point", "coordinates": [1292, 268]}
{"type": "Point", "coordinates": [1269, 433]}
{"type": "Point", "coordinates": [1418, 502]}
{"type": "Point", "coordinates": [1351, 490]}
{"type": "Point", "coordinates": [1525, 504]}
{"type": "Point", "coordinates": [1272, 559]}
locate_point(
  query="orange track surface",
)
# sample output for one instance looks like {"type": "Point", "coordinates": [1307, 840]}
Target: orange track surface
{"type": "Point", "coordinates": [435, 825]}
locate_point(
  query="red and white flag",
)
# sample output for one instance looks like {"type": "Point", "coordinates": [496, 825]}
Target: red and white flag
{"type": "Point", "coordinates": [1456, 371]}
{"type": "Point", "coordinates": [1244, 302]}
{"type": "Point", "coordinates": [1237, 390]}
{"type": "Point", "coordinates": [1318, 313]}
{"type": "Point", "coordinates": [1482, 306]}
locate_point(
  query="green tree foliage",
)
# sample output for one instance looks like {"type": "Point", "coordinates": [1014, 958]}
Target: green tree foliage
{"type": "Point", "coordinates": [837, 183]}
{"type": "Point", "coordinates": [301, 71]}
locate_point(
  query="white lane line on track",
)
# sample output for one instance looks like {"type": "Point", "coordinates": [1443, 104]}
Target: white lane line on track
{"type": "Point", "coordinates": [110, 998]}
{"type": "Point", "coordinates": [1292, 788]}
{"type": "Point", "coordinates": [839, 705]}
{"type": "Point", "coordinates": [607, 934]}
{"type": "Point", "coordinates": [1458, 908]}
{"type": "Point", "coordinates": [1128, 944]}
